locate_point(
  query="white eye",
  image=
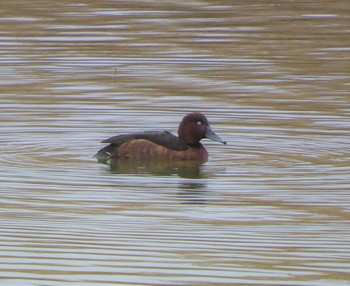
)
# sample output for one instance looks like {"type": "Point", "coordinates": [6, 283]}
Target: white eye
{"type": "Point", "coordinates": [199, 122]}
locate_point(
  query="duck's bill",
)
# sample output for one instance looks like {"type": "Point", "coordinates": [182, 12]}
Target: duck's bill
{"type": "Point", "coordinates": [211, 135]}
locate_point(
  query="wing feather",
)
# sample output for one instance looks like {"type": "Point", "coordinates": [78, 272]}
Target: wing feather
{"type": "Point", "coordinates": [163, 138]}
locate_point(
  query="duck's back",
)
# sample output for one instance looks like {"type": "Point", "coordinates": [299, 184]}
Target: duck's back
{"type": "Point", "coordinates": [143, 145]}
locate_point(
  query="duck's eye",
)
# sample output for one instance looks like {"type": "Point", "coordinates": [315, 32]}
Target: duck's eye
{"type": "Point", "coordinates": [199, 122]}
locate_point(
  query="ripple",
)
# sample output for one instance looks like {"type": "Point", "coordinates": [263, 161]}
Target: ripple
{"type": "Point", "coordinates": [271, 207]}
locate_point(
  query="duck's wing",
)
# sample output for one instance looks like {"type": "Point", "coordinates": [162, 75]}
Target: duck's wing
{"type": "Point", "coordinates": [163, 138]}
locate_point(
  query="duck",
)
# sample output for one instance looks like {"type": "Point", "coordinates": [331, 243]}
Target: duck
{"type": "Point", "coordinates": [163, 145]}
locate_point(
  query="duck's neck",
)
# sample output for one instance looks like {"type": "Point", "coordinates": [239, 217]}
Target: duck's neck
{"type": "Point", "coordinates": [197, 145]}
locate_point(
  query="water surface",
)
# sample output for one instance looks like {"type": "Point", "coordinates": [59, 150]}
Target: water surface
{"type": "Point", "coordinates": [269, 208]}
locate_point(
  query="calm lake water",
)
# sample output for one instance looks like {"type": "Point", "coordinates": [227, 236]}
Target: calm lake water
{"type": "Point", "coordinates": [272, 207]}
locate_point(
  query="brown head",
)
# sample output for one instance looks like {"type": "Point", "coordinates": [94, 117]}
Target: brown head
{"type": "Point", "coordinates": [194, 127]}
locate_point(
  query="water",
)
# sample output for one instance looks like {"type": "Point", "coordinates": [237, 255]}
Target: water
{"type": "Point", "coordinates": [269, 208]}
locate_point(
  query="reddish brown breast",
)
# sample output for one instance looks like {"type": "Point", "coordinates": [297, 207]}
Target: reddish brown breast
{"type": "Point", "coordinates": [144, 149]}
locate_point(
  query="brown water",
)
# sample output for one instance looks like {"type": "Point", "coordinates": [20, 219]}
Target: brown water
{"type": "Point", "coordinates": [270, 208]}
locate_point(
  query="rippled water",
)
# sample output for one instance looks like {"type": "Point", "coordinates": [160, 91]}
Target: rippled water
{"type": "Point", "coordinates": [269, 208]}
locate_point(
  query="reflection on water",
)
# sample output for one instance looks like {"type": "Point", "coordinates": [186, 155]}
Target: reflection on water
{"type": "Point", "coordinates": [271, 208]}
{"type": "Point", "coordinates": [184, 169]}
{"type": "Point", "coordinates": [193, 192]}
{"type": "Point", "coordinates": [189, 191]}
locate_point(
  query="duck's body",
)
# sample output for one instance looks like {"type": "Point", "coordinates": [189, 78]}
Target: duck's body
{"type": "Point", "coordinates": [163, 145]}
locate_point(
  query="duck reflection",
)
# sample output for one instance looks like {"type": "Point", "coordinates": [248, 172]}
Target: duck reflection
{"type": "Point", "coordinates": [191, 190]}
{"type": "Point", "coordinates": [184, 169]}
{"type": "Point", "coordinates": [192, 193]}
